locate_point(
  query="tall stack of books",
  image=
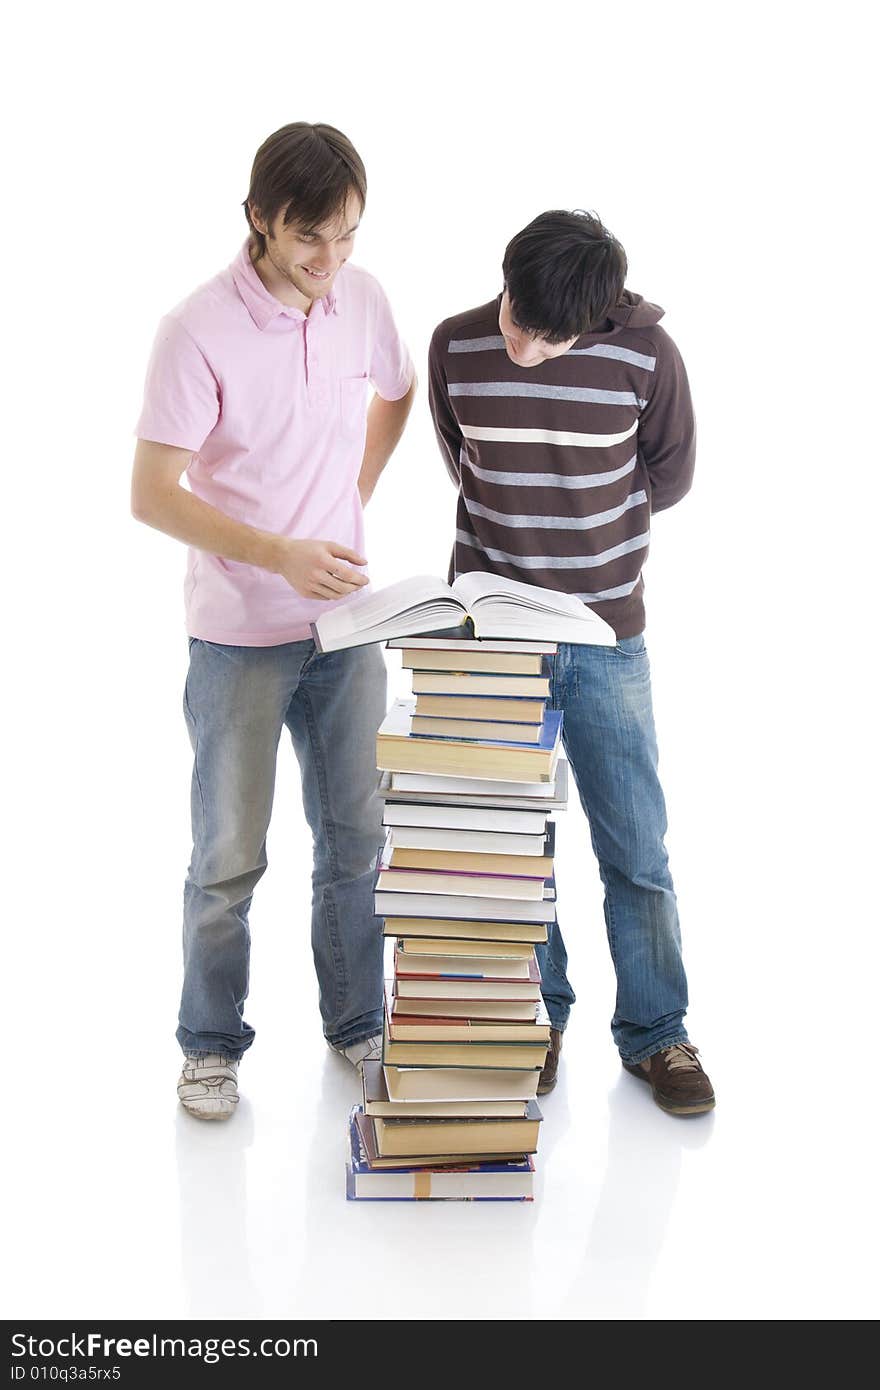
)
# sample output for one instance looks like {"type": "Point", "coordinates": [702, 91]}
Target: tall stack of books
{"type": "Point", "coordinates": [471, 771]}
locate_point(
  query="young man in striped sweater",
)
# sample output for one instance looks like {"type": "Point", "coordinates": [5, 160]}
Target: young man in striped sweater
{"type": "Point", "coordinates": [564, 417]}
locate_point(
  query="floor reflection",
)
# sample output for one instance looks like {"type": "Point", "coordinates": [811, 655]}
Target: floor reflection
{"type": "Point", "coordinates": [449, 1253]}
{"type": "Point", "coordinates": [212, 1178]}
{"type": "Point", "coordinates": [643, 1169]}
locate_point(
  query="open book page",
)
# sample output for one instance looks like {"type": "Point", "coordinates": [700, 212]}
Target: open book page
{"type": "Point", "coordinates": [503, 607]}
{"type": "Point", "coordinates": [420, 604]}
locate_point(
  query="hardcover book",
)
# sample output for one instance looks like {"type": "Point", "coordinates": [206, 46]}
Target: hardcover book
{"type": "Point", "coordinates": [464, 841]}
{"type": "Point", "coordinates": [493, 731]}
{"type": "Point", "coordinates": [468, 1182]}
{"type": "Point", "coordinates": [487, 820]}
{"type": "Point", "coordinates": [491, 888]}
{"type": "Point", "coordinates": [502, 910]}
{"type": "Point", "coordinates": [503, 709]}
{"type": "Point", "coordinates": [457, 1083]}
{"type": "Point", "coordinates": [407, 1027]}
{"type": "Point", "coordinates": [415, 987]}
{"type": "Point", "coordinates": [491, 1010]}
{"type": "Point", "coordinates": [398, 749]}
{"type": "Point", "coordinates": [461, 683]}
{"type": "Point", "coordinates": [456, 858]}
{"type": "Point", "coordinates": [422, 1137]}
{"type": "Point", "coordinates": [430, 928]}
{"type": "Point", "coordinates": [378, 1102]}
{"type": "Point", "coordinates": [467, 968]}
{"type": "Point", "coordinates": [496, 607]}
{"type": "Point", "coordinates": [416, 946]}
{"type": "Point", "coordinates": [366, 1131]}
{"type": "Point", "coordinates": [475, 792]}
{"type": "Point", "coordinates": [515, 1056]}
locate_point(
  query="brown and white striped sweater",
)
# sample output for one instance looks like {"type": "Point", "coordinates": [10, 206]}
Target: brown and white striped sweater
{"type": "Point", "coordinates": [560, 466]}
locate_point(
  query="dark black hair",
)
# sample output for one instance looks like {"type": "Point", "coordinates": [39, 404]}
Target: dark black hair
{"type": "Point", "coordinates": [562, 273]}
{"type": "Point", "coordinates": [307, 171]}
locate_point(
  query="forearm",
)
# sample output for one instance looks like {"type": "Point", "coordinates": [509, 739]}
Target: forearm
{"type": "Point", "coordinates": [179, 513]}
{"type": "Point", "coordinates": [385, 425]}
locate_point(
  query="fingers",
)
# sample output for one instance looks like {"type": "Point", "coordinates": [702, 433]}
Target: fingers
{"type": "Point", "coordinates": [337, 574]}
{"type": "Point", "coordinates": [327, 575]}
{"type": "Point", "coordinates": [341, 552]}
{"type": "Point", "coordinates": [336, 587]}
{"type": "Point", "coordinates": [336, 584]}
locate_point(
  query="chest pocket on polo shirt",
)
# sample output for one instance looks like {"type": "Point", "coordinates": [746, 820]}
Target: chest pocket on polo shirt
{"type": "Point", "coordinates": [353, 406]}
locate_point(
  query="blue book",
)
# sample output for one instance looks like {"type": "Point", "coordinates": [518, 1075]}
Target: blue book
{"type": "Point", "coordinates": [471, 1182]}
{"type": "Point", "coordinates": [551, 728]}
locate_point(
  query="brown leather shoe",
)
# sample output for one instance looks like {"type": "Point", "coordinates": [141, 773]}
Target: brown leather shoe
{"type": "Point", "coordinates": [547, 1079]}
{"type": "Point", "coordinates": [677, 1079]}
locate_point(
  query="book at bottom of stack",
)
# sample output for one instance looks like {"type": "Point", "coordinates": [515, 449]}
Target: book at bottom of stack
{"type": "Point", "coordinates": [465, 887]}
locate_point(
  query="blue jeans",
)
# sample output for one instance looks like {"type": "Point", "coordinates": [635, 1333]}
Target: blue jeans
{"type": "Point", "coordinates": [609, 738]}
{"type": "Point", "coordinates": [237, 701]}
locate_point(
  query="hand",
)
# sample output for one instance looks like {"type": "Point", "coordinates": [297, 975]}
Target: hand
{"type": "Point", "coordinates": [317, 569]}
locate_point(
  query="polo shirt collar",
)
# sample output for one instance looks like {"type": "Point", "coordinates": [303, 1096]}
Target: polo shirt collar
{"type": "Point", "coordinates": [262, 306]}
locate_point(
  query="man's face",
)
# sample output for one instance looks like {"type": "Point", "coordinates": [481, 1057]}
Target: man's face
{"type": "Point", "coordinates": [309, 258]}
{"type": "Point", "coordinates": [524, 348]}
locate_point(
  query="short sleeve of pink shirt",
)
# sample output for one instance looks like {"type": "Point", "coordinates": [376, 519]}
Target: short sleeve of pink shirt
{"type": "Point", "coordinates": [181, 394]}
{"type": "Point", "coordinates": [391, 369]}
{"type": "Point", "coordinates": [272, 404]}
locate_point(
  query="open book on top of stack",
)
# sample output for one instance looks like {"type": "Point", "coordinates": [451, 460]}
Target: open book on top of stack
{"type": "Point", "coordinates": [496, 608]}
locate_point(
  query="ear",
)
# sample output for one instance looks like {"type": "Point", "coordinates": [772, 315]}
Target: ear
{"type": "Point", "coordinates": [258, 220]}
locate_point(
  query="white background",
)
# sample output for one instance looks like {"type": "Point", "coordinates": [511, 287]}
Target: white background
{"type": "Point", "coordinates": [729, 150]}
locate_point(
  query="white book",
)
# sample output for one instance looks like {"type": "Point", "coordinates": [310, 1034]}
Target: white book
{"type": "Point", "coordinates": [464, 644]}
{"type": "Point", "coordinates": [389, 904]}
{"type": "Point", "coordinates": [408, 988]}
{"type": "Point", "coordinates": [497, 608]}
{"type": "Point", "coordinates": [515, 1184]}
{"type": "Point", "coordinates": [487, 791]}
{"type": "Point", "coordinates": [466, 841]}
{"type": "Point", "coordinates": [493, 820]}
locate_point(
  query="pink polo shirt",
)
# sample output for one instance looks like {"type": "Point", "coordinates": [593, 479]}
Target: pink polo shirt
{"type": "Point", "coordinates": [273, 404]}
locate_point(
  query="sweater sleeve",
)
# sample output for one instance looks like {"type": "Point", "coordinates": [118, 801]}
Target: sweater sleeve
{"type": "Point", "coordinates": [446, 427]}
{"type": "Point", "coordinates": [667, 430]}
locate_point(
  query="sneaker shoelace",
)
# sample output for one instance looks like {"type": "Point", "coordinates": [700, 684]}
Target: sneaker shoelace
{"type": "Point", "coordinates": [210, 1071]}
{"type": "Point", "coordinates": [682, 1057]}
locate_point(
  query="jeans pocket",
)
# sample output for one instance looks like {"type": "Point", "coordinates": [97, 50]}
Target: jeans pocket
{"type": "Point", "coordinates": [631, 646]}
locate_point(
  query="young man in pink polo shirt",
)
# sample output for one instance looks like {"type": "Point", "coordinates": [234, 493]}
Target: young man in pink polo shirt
{"type": "Point", "coordinates": [257, 390]}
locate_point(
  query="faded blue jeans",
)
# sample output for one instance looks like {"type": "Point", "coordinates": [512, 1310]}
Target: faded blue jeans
{"type": "Point", "coordinates": [609, 738]}
{"type": "Point", "coordinates": [236, 703]}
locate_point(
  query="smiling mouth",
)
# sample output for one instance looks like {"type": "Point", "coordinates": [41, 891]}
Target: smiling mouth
{"type": "Point", "coordinates": [317, 274]}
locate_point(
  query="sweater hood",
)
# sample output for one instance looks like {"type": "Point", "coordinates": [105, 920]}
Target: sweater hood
{"type": "Point", "coordinates": [634, 311]}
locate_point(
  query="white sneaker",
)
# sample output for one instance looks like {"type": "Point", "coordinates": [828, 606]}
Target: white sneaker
{"type": "Point", "coordinates": [367, 1050]}
{"type": "Point", "coordinates": [208, 1087]}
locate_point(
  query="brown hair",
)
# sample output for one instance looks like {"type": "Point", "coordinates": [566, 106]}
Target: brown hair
{"type": "Point", "coordinates": [306, 170]}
